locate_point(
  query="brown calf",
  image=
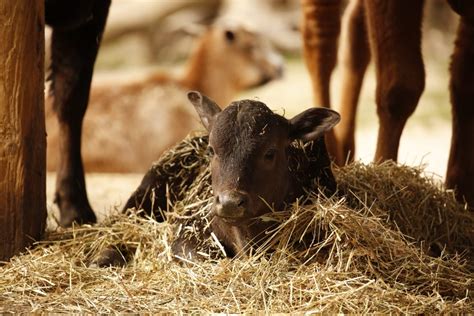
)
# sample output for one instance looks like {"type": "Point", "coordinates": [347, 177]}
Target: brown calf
{"type": "Point", "coordinates": [250, 166]}
{"type": "Point", "coordinates": [390, 32]}
{"type": "Point", "coordinates": [121, 115]}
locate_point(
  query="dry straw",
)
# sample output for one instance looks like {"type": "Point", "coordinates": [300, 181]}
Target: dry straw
{"type": "Point", "coordinates": [391, 240]}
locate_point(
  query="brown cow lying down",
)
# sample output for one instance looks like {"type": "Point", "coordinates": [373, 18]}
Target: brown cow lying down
{"type": "Point", "coordinates": [255, 168]}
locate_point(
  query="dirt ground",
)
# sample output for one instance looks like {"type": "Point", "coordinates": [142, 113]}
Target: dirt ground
{"type": "Point", "coordinates": [426, 138]}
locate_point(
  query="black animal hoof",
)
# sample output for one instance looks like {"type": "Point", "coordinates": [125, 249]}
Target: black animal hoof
{"type": "Point", "coordinates": [70, 212]}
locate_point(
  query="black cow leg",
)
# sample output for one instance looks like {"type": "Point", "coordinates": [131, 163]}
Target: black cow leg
{"type": "Point", "coordinates": [74, 51]}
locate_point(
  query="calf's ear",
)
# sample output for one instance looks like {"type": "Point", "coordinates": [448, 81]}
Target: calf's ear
{"type": "Point", "coordinates": [313, 123]}
{"type": "Point", "coordinates": [205, 107]}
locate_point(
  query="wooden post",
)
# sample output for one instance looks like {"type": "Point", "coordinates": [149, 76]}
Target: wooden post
{"type": "Point", "coordinates": [22, 126]}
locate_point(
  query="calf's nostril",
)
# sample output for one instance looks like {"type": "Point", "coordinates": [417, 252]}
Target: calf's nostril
{"type": "Point", "coordinates": [231, 204]}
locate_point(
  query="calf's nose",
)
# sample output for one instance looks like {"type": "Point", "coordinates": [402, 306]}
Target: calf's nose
{"type": "Point", "coordinates": [231, 204]}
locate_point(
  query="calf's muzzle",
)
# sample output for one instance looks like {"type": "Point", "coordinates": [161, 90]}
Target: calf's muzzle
{"type": "Point", "coordinates": [231, 204]}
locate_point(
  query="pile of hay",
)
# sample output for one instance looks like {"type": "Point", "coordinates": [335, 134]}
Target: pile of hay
{"type": "Point", "coordinates": [368, 252]}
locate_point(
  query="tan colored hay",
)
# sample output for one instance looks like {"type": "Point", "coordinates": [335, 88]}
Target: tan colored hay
{"type": "Point", "coordinates": [364, 254]}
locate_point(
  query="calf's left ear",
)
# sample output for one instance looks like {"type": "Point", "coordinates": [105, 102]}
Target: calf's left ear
{"type": "Point", "coordinates": [205, 107]}
{"type": "Point", "coordinates": [313, 123]}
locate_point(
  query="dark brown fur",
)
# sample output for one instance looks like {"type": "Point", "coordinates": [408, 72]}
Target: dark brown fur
{"type": "Point", "coordinates": [389, 31]}
{"type": "Point", "coordinates": [77, 31]}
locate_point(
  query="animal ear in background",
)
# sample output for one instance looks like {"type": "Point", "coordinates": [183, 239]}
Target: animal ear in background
{"type": "Point", "coordinates": [205, 107]}
{"type": "Point", "coordinates": [313, 123]}
{"type": "Point", "coordinates": [229, 35]}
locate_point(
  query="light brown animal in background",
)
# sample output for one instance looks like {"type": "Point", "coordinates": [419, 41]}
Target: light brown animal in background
{"type": "Point", "coordinates": [390, 32]}
{"type": "Point", "coordinates": [128, 125]}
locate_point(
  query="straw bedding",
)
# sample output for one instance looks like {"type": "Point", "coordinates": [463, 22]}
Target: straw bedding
{"type": "Point", "coordinates": [391, 240]}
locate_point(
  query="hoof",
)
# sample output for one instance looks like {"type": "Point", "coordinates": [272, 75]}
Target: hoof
{"type": "Point", "coordinates": [79, 213]}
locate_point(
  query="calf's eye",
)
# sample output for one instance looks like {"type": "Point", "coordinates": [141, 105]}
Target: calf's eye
{"type": "Point", "coordinates": [270, 155]}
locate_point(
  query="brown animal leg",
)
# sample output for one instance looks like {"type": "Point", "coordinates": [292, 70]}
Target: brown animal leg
{"type": "Point", "coordinates": [320, 28]}
{"type": "Point", "coordinates": [460, 173]}
{"type": "Point", "coordinates": [355, 58]}
{"type": "Point", "coordinates": [465, 8]}
{"type": "Point", "coordinates": [395, 39]}
{"type": "Point", "coordinates": [73, 56]}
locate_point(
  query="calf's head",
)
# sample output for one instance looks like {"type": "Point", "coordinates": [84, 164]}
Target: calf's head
{"type": "Point", "coordinates": [250, 146]}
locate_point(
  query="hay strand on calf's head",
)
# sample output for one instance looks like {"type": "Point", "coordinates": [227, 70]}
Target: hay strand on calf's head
{"type": "Point", "coordinates": [355, 252]}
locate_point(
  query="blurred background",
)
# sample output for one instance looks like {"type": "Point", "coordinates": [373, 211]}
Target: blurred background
{"type": "Point", "coordinates": [148, 35]}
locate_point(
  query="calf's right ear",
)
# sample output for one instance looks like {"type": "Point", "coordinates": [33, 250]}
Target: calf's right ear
{"type": "Point", "coordinates": [205, 107]}
{"type": "Point", "coordinates": [313, 123]}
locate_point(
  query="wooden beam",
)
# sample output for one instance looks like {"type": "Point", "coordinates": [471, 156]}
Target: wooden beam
{"type": "Point", "coordinates": [22, 127]}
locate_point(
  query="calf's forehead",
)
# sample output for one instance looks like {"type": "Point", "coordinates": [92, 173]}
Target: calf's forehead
{"type": "Point", "coordinates": [247, 125]}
